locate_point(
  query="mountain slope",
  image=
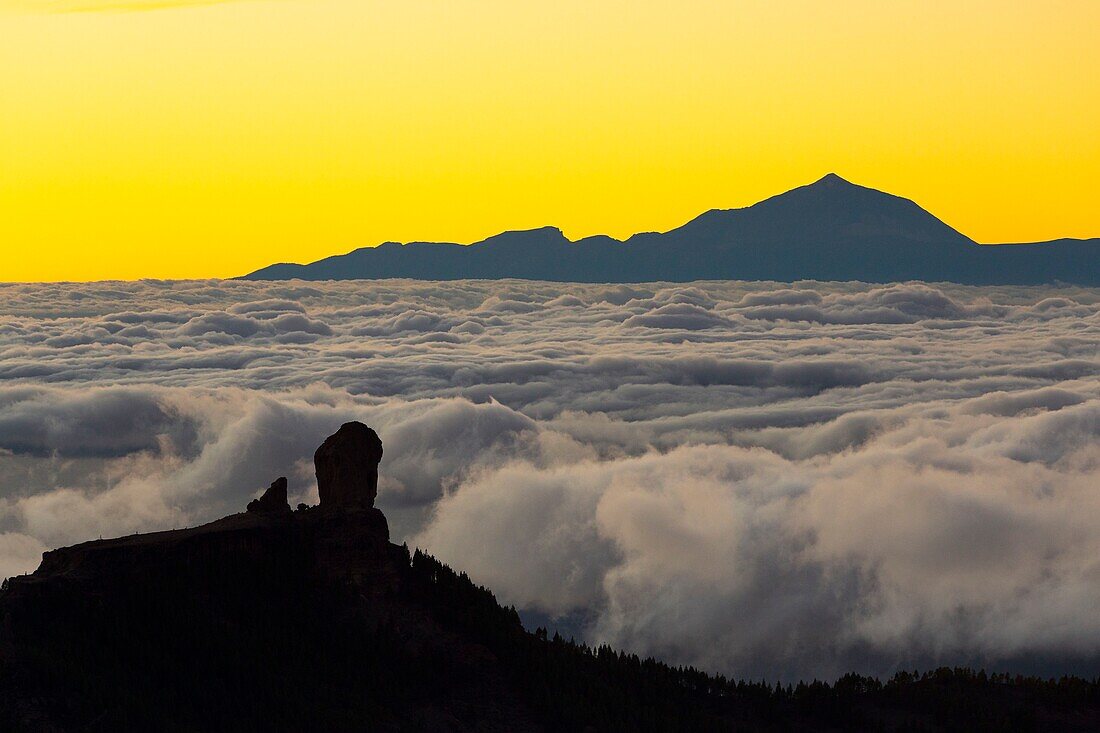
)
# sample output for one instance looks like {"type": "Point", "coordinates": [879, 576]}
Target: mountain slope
{"type": "Point", "coordinates": [280, 620]}
{"type": "Point", "coordinates": [828, 230]}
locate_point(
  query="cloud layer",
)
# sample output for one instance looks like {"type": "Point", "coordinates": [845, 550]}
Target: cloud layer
{"type": "Point", "coordinates": [760, 479]}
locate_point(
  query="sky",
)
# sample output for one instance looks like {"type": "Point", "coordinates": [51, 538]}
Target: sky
{"type": "Point", "coordinates": [165, 139]}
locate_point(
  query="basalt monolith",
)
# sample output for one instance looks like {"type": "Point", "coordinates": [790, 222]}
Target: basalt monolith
{"type": "Point", "coordinates": [347, 467]}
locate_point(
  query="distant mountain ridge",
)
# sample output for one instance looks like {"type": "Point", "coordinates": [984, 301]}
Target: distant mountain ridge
{"type": "Point", "coordinates": [828, 230]}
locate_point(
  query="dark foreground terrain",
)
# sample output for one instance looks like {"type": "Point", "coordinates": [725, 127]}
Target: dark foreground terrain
{"type": "Point", "coordinates": [312, 620]}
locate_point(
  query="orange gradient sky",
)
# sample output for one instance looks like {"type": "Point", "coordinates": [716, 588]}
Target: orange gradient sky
{"type": "Point", "coordinates": [151, 138]}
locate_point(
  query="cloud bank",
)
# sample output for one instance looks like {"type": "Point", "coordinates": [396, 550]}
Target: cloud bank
{"type": "Point", "coordinates": [761, 479]}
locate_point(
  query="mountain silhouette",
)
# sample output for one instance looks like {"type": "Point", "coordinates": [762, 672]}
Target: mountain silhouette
{"type": "Point", "coordinates": [828, 230]}
{"type": "Point", "coordinates": [311, 619]}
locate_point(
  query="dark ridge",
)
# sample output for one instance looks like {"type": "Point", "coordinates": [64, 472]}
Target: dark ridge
{"type": "Point", "coordinates": [828, 230]}
{"type": "Point", "coordinates": [280, 620]}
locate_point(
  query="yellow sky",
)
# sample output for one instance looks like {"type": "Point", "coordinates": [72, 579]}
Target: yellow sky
{"type": "Point", "coordinates": [214, 138]}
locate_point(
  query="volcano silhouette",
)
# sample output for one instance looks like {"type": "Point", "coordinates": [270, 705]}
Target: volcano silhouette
{"type": "Point", "coordinates": [829, 230]}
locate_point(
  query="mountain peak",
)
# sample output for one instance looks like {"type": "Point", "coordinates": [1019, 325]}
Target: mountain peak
{"type": "Point", "coordinates": [831, 180]}
{"type": "Point", "coordinates": [831, 229]}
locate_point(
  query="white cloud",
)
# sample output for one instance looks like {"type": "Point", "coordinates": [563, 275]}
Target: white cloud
{"type": "Point", "coordinates": [793, 479]}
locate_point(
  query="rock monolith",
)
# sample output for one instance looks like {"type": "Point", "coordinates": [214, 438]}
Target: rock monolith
{"type": "Point", "coordinates": [347, 467]}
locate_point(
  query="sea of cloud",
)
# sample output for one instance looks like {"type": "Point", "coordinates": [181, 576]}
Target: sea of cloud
{"type": "Point", "coordinates": [770, 479]}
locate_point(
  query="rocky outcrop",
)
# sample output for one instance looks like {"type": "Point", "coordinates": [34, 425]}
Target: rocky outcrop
{"type": "Point", "coordinates": [347, 467]}
{"type": "Point", "coordinates": [269, 619]}
{"type": "Point", "coordinates": [273, 500]}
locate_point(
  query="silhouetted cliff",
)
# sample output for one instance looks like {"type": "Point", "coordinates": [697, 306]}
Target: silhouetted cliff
{"type": "Point", "coordinates": [281, 620]}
